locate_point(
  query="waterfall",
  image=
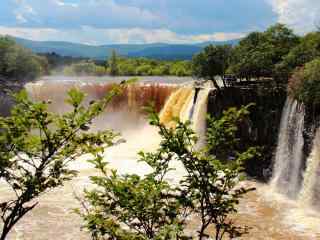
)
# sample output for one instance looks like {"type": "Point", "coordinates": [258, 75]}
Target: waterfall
{"type": "Point", "coordinates": [287, 173]}
{"type": "Point", "coordinates": [133, 97]}
{"type": "Point", "coordinates": [310, 195]}
{"type": "Point", "coordinates": [183, 105]}
{"type": "Point", "coordinates": [177, 106]}
{"type": "Point", "coordinates": [199, 115]}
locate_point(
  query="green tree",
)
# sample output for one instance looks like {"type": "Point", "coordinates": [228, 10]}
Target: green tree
{"type": "Point", "coordinates": [282, 40]}
{"type": "Point", "coordinates": [150, 207]}
{"type": "Point", "coordinates": [18, 63]}
{"type": "Point", "coordinates": [304, 85]}
{"type": "Point", "coordinates": [113, 64]}
{"type": "Point", "coordinates": [211, 62]}
{"type": "Point", "coordinates": [144, 70]}
{"type": "Point", "coordinates": [260, 54]}
{"type": "Point", "coordinates": [307, 50]}
{"type": "Point", "coordinates": [252, 58]}
{"type": "Point", "coordinates": [36, 147]}
{"type": "Point", "coordinates": [222, 133]}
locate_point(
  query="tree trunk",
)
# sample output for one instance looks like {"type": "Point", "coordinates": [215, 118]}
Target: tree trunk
{"type": "Point", "coordinates": [201, 233]}
{"type": "Point", "coordinates": [4, 233]}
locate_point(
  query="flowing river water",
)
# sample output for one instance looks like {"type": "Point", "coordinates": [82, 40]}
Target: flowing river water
{"type": "Point", "coordinates": [269, 214]}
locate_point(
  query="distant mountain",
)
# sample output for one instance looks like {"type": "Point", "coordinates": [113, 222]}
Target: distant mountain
{"type": "Point", "coordinates": [154, 50]}
{"type": "Point", "coordinates": [228, 42]}
{"type": "Point", "coordinates": [168, 52]}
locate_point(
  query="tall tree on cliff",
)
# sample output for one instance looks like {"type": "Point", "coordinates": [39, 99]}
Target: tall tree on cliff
{"type": "Point", "coordinates": [260, 53]}
{"type": "Point", "coordinates": [211, 62]}
{"type": "Point", "coordinates": [307, 50]}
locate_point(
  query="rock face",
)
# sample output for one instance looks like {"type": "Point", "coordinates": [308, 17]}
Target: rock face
{"type": "Point", "coordinates": [6, 88]}
{"type": "Point", "coordinates": [311, 124]}
{"type": "Point", "coordinates": [261, 129]}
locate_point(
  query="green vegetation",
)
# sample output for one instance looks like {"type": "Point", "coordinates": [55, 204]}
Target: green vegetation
{"type": "Point", "coordinates": [149, 207]}
{"type": "Point", "coordinates": [120, 66]}
{"type": "Point", "coordinates": [113, 64]}
{"type": "Point", "coordinates": [211, 62]}
{"type": "Point", "coordinates": [274, 56]}
{"type": "Point", "coordinates": [148, 67]}
{"type": "Point", "coordinates": [260, 54]}
{"type": "Point", "coordinates": [84, 68]}
{"type": "Point", "coordinates": [36, 147]}
{"type": "Point", "coordinates": [304, 84]}
{"type": "Point", "coordinates": [18, 63]}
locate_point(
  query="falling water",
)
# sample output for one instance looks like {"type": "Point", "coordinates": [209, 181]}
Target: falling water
{"type": "Point", "coordinates": [183, 105]}
{"type": "Point", "coordinates": [176, 106]}
{"type": "Point", "coordinates": [199, 115]}
{"type": "Point", "coordinates": [310, 195]}
{"type": "Point", "coordinates": [287, 173]}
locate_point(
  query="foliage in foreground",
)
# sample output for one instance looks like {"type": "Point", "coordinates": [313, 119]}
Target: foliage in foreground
{"type": "Point", "coordinates": [36, 147]}
{"type": "Point", "coordinates": [152, 207]}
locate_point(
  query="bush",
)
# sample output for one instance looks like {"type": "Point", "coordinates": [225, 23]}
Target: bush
{"type": "Point", "coordinates": [36, 147]}
{"type": "Point", "coordinates": [304, 85]}
{"type": "Point", "coordinates": [149, 207]}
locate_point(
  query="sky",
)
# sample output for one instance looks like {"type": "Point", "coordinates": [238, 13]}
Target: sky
{"type": "Point", "coordinates": [98, 22]}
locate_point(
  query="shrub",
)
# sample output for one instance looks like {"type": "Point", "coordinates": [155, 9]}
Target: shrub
{"type": "Point", "coordinates": [149, 207]}
{"type": "Point", "coordinates": [36, 147]}
{"type": "Point", "coordinates": [304, 85]}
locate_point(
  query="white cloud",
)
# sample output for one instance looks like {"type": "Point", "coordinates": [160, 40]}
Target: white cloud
{"type": "Point", "coordinates": [29, 33]}
{"type": "Point", "coordinates": [301, 15]}
{"type": "Point", "coordinates": [20, 18]}
{"type": "Point", "coordinates": [61, 3]}
{"type": "Point", "coordinates": [96, 13]}
{"type": "Point", "coordinates": [96, 36]}
{"type": "Point", "coordinates": [24, 11]}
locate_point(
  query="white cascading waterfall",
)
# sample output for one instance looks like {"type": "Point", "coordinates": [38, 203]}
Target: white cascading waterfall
{"type": "Point", "coordinates": [309, 196]}
{"type": "Point", "coordinates": [287, 172]}
{"type": "Point", "coordinates": [198, 115]}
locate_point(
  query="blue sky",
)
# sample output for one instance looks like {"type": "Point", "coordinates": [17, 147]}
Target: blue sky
{"type": "Point", "coordinates": [146, 21]}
